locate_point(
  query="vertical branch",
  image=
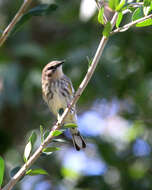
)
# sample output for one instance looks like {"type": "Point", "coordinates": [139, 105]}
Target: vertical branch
{"type": "Point", "coordinates": [17, 17]}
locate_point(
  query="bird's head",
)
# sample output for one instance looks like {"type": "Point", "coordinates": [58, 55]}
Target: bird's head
{"type": "Point", "coordinates": [53, 70]}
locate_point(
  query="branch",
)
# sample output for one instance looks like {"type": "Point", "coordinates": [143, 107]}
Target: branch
{"type": "Point", "coordinates": [127, 26]}
{"type": "Point", "coordinates": [58, 125]}
{"type": "Point", "coordinates": [17, 17]}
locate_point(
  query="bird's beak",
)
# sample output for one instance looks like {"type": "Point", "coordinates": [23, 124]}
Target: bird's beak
{"type": "Point", "coordinates": [61, 62]}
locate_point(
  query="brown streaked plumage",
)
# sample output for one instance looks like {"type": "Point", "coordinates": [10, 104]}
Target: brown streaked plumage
{"type": "Point", "coordinates": [58, 92]}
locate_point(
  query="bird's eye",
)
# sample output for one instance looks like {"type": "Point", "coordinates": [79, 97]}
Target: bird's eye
{"type": "Point", "coordinates": [51, 68]}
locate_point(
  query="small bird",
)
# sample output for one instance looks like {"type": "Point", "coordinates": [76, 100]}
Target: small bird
{"type": "Point", "coordinates": [57, 91]}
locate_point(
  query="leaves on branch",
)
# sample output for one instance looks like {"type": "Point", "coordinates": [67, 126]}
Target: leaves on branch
{"type": "Point", "coordinates": [50, 149]}
{"type": "Point", "coordinates": [100, 16]}
{"type": "Point", "coordinates": [138, 13]}
{"type": "Point", "coordinates": [56, 133]}
{"type": "Point", "coordinates": [120, 5]}
{"type": "Point", "coordinates": [39, 171]}
{"type": "Point", "coordinates": [119, 19]}
{"type": "Point", "coordinates": [107, 29]}
{"type": "Point", "coordinates": [29, 146]}
{"type": "Point", "coordinates": [70, 125]}
{"type": "Point", "coordinates": [40, 10]}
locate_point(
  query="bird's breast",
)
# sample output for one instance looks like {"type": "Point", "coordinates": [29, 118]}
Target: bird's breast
{"type": "Point", "coordinates": [58, 97]}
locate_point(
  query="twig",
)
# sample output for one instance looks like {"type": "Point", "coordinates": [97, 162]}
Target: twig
{"type": "Point", "coordinates": [127, 26]}
{"type": "Point", "coordinates": [17, 17]}
{"type": "Point", "coordinates": [78, 93]}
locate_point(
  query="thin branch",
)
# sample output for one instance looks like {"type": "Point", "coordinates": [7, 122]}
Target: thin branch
{"type": "Point", "coordinates": [17, 17]}
{"type": "Point", "coordinates": [57, 126]}
{"type": "Point", "coordinates": [127, 26]}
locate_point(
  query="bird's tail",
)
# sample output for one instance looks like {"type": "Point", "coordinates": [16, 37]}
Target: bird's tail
{"type": "Point", "coordinates": [77, 139]}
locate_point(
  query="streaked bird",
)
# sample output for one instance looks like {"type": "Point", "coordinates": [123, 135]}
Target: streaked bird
{"type": "Point", "coordinates": [58, 92]}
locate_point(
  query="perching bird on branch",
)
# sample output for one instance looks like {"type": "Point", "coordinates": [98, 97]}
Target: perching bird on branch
{"type": "Point", "coordinates": [58, 92]}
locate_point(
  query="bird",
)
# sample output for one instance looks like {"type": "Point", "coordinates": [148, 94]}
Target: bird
{"type": "Point", "coordinates": [58, 92]}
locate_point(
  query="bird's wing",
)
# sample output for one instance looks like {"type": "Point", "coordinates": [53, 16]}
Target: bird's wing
{"type": "Point", "coordinates": [70, 86]}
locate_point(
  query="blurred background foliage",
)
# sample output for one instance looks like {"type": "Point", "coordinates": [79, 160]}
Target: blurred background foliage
{"type": "Point", "coordinates": [114, 112]}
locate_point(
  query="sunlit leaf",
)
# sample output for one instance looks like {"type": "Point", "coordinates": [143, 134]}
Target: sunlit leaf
{"type": "Point", "coordinates": [119, 19]}
{"type": "Point", "coordinates": [51, 149]}
{"type": "Point", "coordinates": [147, 8]}
{"type": "Point", "coordinates": [70, 125]}
{"type": "Point", "coordinates": [147, 22]}
{"type": "Point", "coordinates": [27, 151]}
{"type": "Point", "coordinates": [107, 29]}
{"type": "Point", "coordinates": [56, 133]}
{"type": "Point", "coordinates": [147, 3]}
{"type": "Point", "coordinates": [113, 4]}
{"type": "Point", "coordinates": [29, 146]}
{"type": "Point", "coordinates": [36, 172]}
{"type": "Point", "coordinates": [2, 167]}
{"type": "Point", "coordinates": [100, 15]}
{"type": "Point", "coordinates": [120, 5]}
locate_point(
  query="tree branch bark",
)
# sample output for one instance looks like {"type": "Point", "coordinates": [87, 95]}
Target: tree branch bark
{"type": "Point", "coordinates": [127, 26]}
{"type": "Point", "coordinates": [17, 17]}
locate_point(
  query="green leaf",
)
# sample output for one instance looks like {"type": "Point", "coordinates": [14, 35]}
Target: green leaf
{"type": "Point", "coordinates": [29, 146]}
{"type": "Point", "coordinates": [107, 29]}
{"type": "Point", "coordinates": [147, 22]}
{"type": "Point", "coordinates": [113, 4]}
{"type": "Point", "coordinates": [41, 132]}
{"type": "Point", "coordinates": [138, 13]}
{"type": "Point", "coordinates": [33, 138]}
{"type": "Point", "coordinates": [46, 134]}
{"type": "Point", "coordinates": [147, 3]}
{"type": "Point", "coordinates": [36, 172]}
{"type": "Point", "coordinates": [70, 125]}
{"type": "Point", "coordinates": [119, 19]}
{"type": "Point", "coordinates": [89, 61]}
{"type": "Point", "coordinates": [100, 16]}
{"type": "Point", "coordinates": [2, 168]}
{"type": "Point", "coordinates": [120, 5]}
{"type": "Point", "coordinates": [27, 151]}
{"type": "Point", "coordinates": [14, 171]}
{"type": "Point", "coordinates": [40, 10]}
{"type": "Point", "coordinates": [56, 133]}
{"type": "Point", "coordinates": [147, 8]}
{"type": "Point", "coordinates": [50, 149]}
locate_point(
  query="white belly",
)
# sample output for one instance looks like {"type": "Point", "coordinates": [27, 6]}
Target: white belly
{"type": "Point", "coordinates": [57, 102]}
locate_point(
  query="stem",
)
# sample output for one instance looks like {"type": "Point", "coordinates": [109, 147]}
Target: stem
{"type": "Point", "coordinates": [17, 17]}
{"type": "Point", "coordinates": [78, 93]}
{"type": "Point", "coordinates": [127, 26]}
